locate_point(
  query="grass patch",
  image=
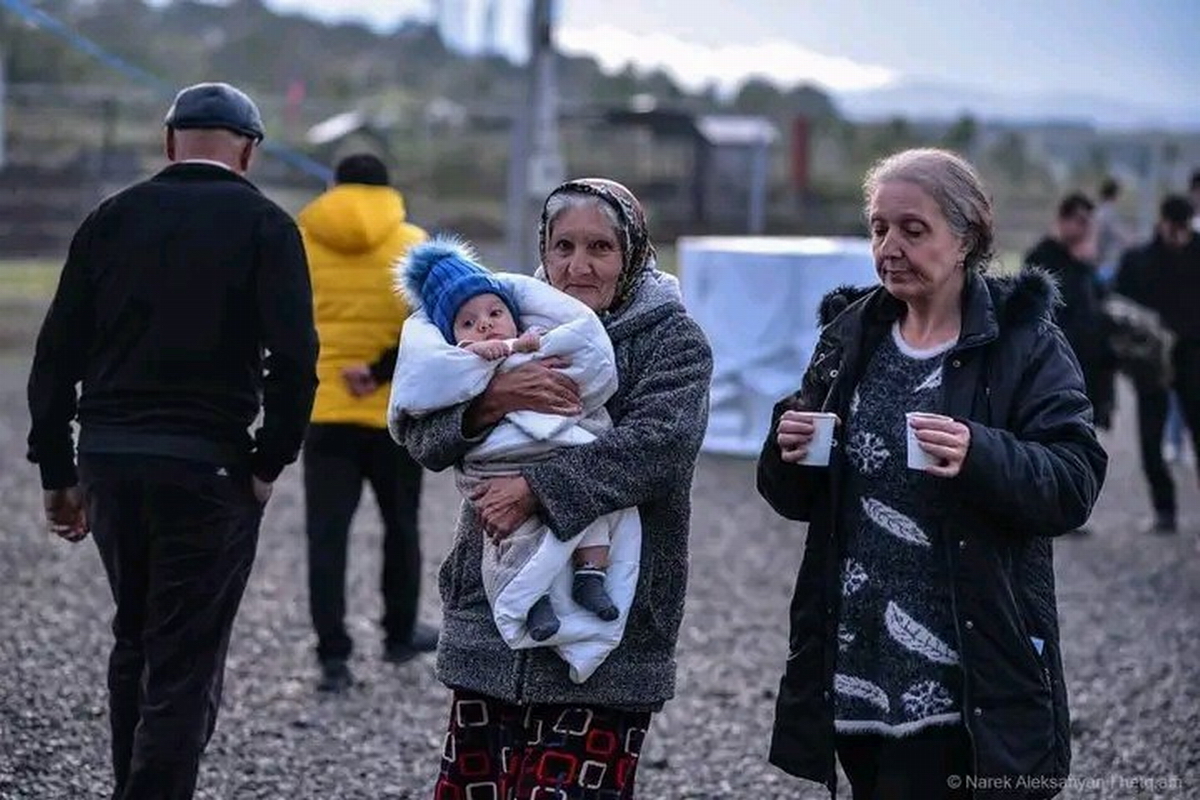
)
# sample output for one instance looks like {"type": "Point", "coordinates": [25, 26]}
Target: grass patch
{"type": "Point", "coordinates": [28, 279]}
{"type": "Point", "coordinates": [26, 287]}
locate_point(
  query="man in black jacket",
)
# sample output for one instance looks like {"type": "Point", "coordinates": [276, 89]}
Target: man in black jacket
{"type": "Point", "coordinates": [172, 292]}
{"type": "Point", "coordinates": [1164, 275]}
{"type": "Point", "coordinates": [1080, 316]}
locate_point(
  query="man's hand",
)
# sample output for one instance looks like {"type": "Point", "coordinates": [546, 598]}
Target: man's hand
{"type": "Point", "coordinates": [359, 380]}
{"type": "Point", "coordinates": [65, 513]}
{"type": "Point", "coordinates": [262, 489]}
{"type": "Point", "coordinates": [503, 504]}
{"type": "Point", "coordinates": [536, 386]}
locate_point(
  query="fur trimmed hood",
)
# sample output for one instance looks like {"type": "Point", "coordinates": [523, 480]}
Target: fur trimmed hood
{"type": "Point", "coordinates": [1028, 295]}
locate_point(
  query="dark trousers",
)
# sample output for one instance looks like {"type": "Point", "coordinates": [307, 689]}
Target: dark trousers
{"type": "Point", "coordinates": [495, 749]}
{"type": "Point", "coordinates": [337, 459]}
{"type": "Point", "coordinates": [932, 764]}
{"type": "Point", "coordinates": [177, 540]}
{"type": "Point", "coordinates": [1153, 404]}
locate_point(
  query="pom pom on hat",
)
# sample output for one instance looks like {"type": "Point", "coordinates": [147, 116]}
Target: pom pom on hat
{"type": "Point", "coordinates": [441, 274]}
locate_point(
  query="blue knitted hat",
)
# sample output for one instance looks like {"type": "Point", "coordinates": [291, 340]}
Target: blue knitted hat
{"type": "Point", "coordinates": [441, 274]}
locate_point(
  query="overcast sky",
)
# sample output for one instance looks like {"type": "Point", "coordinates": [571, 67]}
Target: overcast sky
{"type": "Point", "coordinates": [1147, 51]}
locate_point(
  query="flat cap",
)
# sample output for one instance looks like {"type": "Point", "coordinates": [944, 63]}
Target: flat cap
{"type": "Point", "coordinates": [215, 105]}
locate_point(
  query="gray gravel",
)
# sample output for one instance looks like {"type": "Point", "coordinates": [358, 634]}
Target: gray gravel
{"type": "Point", "coordinates": [1129, 605]}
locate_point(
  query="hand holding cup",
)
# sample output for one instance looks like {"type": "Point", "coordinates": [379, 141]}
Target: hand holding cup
{"type": "Point", "coordinates": [937, 444]}
{"type": "Point", "coordinates": [806, 437]}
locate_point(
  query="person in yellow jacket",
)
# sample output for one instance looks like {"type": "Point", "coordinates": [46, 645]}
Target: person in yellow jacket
{"type": "Point", "coordinates": [353, 234]}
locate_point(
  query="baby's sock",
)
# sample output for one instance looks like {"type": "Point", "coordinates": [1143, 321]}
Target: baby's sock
{"type": "Point", "coordinates": [542, 622]}
{"type": "Point", "coordinates": [588, 590]}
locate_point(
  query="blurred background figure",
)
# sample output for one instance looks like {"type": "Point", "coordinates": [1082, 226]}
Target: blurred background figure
{"type": "Point", "coordinates": [1111, 236]}
{"type": "Point", "coordinates": [1162, 275]}
{"type": "Point", "coordinates": [1194, 197]}
{"type": "Point", "coordinates": [353, 234]}
{"type": "Point", "coordinates": [1067, 255]}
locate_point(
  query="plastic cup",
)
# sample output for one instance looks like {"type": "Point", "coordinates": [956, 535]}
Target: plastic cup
{"type": "Point", "coordinates": [918, 458]}
{"type": "Point", "coordinates": [822, 442]}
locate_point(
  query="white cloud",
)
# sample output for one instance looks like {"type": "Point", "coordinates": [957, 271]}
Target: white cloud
{"type": "Point", "coordinates": [694, 66]}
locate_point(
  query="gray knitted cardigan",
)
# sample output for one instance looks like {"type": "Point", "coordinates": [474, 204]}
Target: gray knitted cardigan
{"type": "Point", "coordinates": [647, 460]}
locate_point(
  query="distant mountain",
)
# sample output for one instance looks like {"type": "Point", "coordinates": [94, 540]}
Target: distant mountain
{"type": "Point", "coordinates": [941, 101]}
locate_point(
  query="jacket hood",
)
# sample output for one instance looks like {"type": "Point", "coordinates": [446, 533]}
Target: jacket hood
{"type": "Point", "coordinates": [1028, 295]}
{"type": "Point", "coordinates": [353, 217]}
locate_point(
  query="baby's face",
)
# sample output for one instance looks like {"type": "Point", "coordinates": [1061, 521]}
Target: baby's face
{"type": "Point", "coordinates": [483, 318]}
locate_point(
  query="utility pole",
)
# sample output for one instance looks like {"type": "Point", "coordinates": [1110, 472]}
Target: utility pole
{"type": "Point", "coordinates": [3, 103]}
{"type": "Point", "coordinates": [535, 160]}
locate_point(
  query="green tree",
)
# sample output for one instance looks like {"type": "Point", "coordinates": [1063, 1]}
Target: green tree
{"type": "Point", "coordinates": [806, 100]}
{"type": "Point", "coordinates": [1011, 156]}
{"type": "Point", "coordinates": [758, 96]}
{"type": "Point", "coordinates": [962, 135]}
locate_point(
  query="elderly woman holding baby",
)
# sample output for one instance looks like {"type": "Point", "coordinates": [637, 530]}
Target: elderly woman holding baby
{"type": "Point", "coordinates": [518, 724]}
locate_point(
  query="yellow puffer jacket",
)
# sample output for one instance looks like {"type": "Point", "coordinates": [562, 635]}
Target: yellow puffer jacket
{"type": "Point", "coordinates": [353, 235]}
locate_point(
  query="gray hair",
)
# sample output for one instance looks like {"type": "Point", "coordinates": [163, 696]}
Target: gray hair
{"type": "Point", "coordinates": [956, 188]}
{"type": "Point", "coordinates": [566, 200]}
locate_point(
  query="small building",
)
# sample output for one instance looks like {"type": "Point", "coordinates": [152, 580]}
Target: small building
{"type": "Point", "coordinates": [710, 170]}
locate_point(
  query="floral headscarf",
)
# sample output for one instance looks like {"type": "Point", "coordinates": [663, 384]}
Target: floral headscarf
{"type": "Point", "coordinates": [637, 251]}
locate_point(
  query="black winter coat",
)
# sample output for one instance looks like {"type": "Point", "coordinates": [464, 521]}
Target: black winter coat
{"type": "Point", "coordinates": [1164, 279]}
{"type": "Point", "coordinates": [1033, 470]}
{"type": "Point", "coordinates": [1081, 317]}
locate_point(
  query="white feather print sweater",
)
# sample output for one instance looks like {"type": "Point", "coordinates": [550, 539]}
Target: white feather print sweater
{"type": "Point", "coordinates": [897, 669]}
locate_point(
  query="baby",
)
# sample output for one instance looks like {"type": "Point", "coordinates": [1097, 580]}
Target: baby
{"type": "Point", "coordinates": [485, 327]}
{"type": "Point", "coordinates": [478, 313]}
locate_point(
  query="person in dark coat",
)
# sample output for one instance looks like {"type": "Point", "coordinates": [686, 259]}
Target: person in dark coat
{"type": "Point", "coordinates": [172, 291]}
{"type": "Point", "coordinates": [521, 728]}
{"type": "Point", "coordinates": [1164, 276]}
{"type": "Point", "coordinates": [1081, 314]}
{"type": "Point", "coordinates": [924, 647]}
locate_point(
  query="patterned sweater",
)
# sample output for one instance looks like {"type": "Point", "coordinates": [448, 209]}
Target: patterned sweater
{"type": "Point", "coordinates": [897, 671]}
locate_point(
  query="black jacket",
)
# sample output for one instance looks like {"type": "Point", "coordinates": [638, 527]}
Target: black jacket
{"type": "Point", "coordinates": [1033, 470]}
{"type": "Point", "coordinates": [1167, 281]}
{"type": "Point", "coordinates": [172, 291]}
{"type": "Point", "coordinates": [1081, 317]}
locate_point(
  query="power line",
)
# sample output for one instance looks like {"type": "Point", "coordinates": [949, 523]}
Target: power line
{"type": "Point", "coordinates": [57, 27]}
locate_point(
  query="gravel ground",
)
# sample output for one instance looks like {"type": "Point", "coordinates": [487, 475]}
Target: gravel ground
{"type": "Point", "coordinates": [1129, 605]}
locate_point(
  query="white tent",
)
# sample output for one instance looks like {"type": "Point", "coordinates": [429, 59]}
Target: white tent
{"type": "Point", "coordinates": [756, 298]}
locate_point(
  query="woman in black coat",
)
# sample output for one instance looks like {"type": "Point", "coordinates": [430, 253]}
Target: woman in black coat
{"type": "Point", "coordinates": [924, 642]}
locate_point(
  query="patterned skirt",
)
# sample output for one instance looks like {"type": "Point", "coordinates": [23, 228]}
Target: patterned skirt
{"type": "Point", "coordinates": [499, 751]}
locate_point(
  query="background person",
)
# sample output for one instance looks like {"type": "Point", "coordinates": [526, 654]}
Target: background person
{"type": "Point", "coordinates": [354, 233]}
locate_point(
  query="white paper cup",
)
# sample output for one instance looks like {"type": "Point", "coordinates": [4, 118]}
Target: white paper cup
{"type": "Point", "coordinates": [918, 458]}
{"type": "Point", "coordinates": [822, 442]}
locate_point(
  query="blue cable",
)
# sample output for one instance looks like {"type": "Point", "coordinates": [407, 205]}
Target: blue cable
{"type": "Point", "coordinates": [54, 26]}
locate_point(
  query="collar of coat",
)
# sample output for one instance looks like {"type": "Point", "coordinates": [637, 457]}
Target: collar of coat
{"type": "Point", "coordinates": [989, 302]}
{"type": "Point", "coordinates": [201, 171]}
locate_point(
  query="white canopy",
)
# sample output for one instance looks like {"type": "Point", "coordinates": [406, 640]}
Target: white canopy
{"type": "Point", "coordinates": [756, 298]}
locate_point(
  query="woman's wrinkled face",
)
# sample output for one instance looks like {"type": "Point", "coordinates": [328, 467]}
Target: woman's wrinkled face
{"type": "Point", "coordinates": [917, 256]}
{"type": "Point", "coordinates": [583, 256]}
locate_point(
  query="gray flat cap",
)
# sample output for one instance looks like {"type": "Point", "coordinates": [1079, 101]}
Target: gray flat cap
{"type": "Point", "coordinates": [215, 105]}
